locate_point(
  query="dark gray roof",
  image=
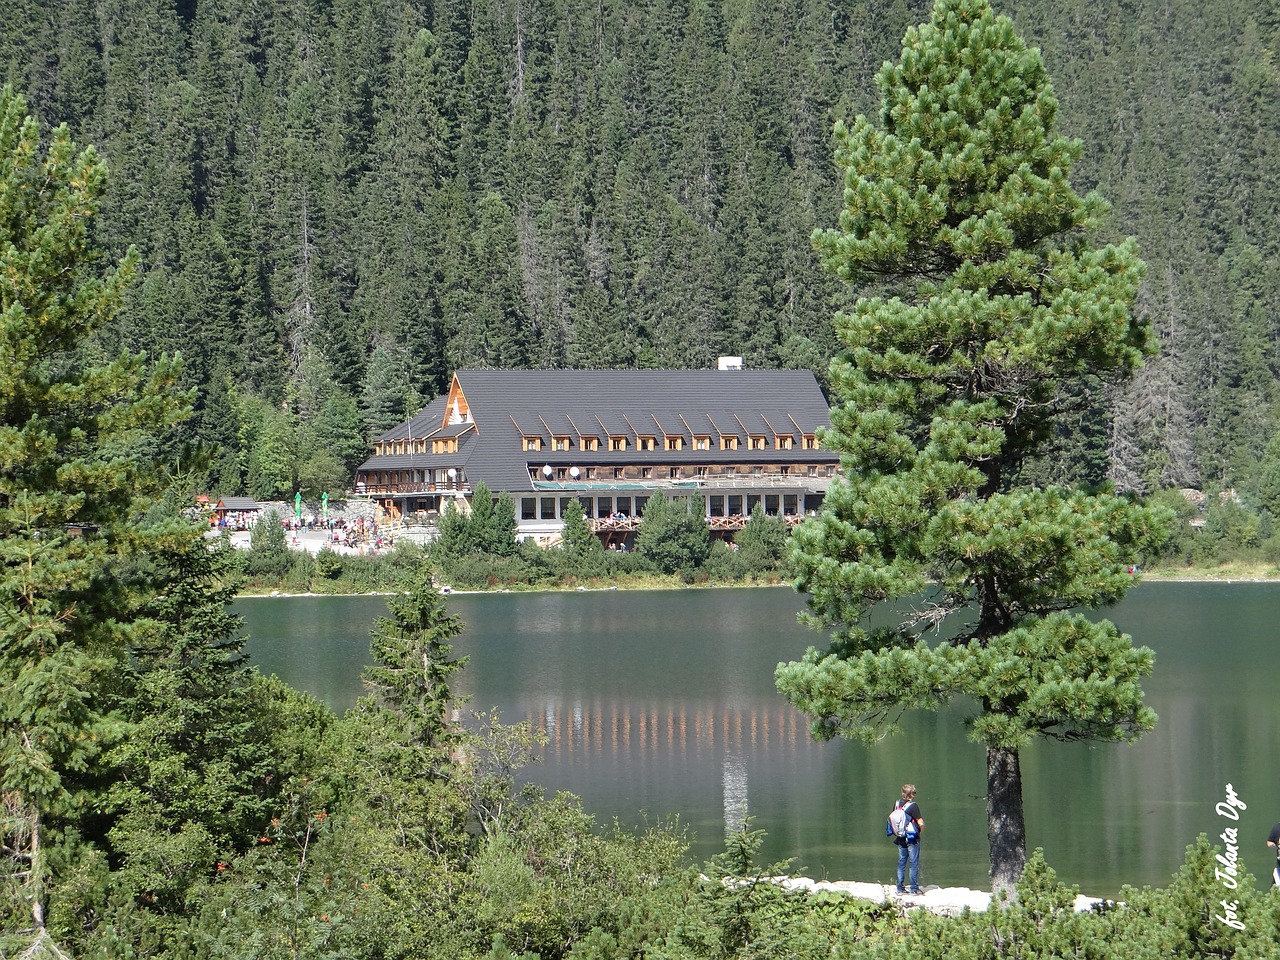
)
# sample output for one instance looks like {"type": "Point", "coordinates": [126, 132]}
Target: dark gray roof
{"type": "Point", "coordinates": [238, 503]}
{"type": "Point", "coordinates": [506, 404]}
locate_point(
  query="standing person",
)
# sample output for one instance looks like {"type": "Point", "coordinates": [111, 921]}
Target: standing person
{"type": "Point", "coordinates": [909, 842]}
{"type": "Point", "coordinates": [1273, 841]}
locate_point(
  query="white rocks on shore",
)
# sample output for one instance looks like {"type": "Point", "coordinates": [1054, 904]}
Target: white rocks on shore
{"type": "Point", "coordinates": [944, 901]}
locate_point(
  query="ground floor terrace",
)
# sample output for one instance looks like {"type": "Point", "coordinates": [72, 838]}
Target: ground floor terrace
{"type": "Point", "coordinates": [614, 510]}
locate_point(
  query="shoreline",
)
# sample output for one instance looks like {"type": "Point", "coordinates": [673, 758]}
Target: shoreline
{"type": "Point", "coordinates": [577, 588]}
{"type": "Point", "coordinates": [943, 901]}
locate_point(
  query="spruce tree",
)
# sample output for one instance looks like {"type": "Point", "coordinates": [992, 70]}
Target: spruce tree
{"type": "Point", "coordinates": [71, 471]}
{"type": "Point", "coordinates": [409, 681]}
{"type": "Point", "coordinates": [958, 204]}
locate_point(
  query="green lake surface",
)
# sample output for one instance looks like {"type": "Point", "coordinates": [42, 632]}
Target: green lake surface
{"type": "Point", "coordinates": [661, 704]}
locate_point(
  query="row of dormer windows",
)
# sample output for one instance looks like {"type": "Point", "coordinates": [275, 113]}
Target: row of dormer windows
{"type": "Point", "coordinates": [563, 444]}
{"type": "Point", "coordinates": [649, 443]}
{"type": "Point", "coordinates": [389, 448]}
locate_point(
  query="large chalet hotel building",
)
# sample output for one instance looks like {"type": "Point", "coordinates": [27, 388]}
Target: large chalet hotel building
{"type": "Point", "coordinates": [610, 439]}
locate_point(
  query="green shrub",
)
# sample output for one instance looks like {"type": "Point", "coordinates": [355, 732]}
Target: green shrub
{"type": "Point", "coordinates": [328, 564]}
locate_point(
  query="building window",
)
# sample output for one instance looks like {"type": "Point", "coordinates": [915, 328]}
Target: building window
{"type": "Point", "coordinates": [674, 473]}
{"type": "Point", "coordinates": [624, 505]}
{"type": "Point", "coordinates": [445, 446]}
{"type": "Point", "coordinates": [560, 443]}
{"type": "Point", "coordinates": [646, 473]}
{"type": "Point", "coordinates": [645, 443]}
{"type": "Point", "coordinates": [783, 442]}
{"type": "Point", "coordinates": [715, 505]}
{"type": "Point", "coordinates": [617, 443]}
{"type": "Point", "coordinates": [604, 506]}
{"type": "Point", "coordinates": [757, 442]}
{"type": "Point", "coordinates": [589, 444]}
{"type": "Point", "coordinates": [675, 443]}
{"type": "Point", "coordinates": [562, 473]}
{"type": "Point", "coordinates": [528, 508]}
{"type": "Point", "coordinates": [591, 473]}
{"type": "Point", "coordinates": [809, 442]}
{"type": "Point", "coordinates": [533, 443]}
{"type": "Point", "coordinates": [617, 473]}
{"type": "Point", "coordinates": [702, 471]}
{"type": "Point", "coordinates": [729, 443]}
{"type": "Point", "coordinates": [548, 505]}
{"type": "Point", "coordinates": [702, 443]}
{"type": "Point", "coordinates": [790, 505]}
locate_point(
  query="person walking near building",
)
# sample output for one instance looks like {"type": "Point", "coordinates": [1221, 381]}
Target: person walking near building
{"type": "Point", "coordinates": [907, 830]}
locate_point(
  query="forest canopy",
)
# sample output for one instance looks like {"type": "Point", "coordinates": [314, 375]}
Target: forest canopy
{"type": "Point", "coordinates": [336, 203]}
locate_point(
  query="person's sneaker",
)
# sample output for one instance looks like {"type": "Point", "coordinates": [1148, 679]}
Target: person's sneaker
{"type": "Point", "coordinates": [915, 892]}
{"type": "Point", "coordinates": [901, 891]}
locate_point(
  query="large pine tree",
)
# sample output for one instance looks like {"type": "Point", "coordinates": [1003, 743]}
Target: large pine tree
{"type": "Point", "coordinates": [958, 205]}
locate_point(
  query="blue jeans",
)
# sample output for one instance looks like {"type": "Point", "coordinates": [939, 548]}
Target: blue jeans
{"type": "Point", "coordinates": [909, 852]}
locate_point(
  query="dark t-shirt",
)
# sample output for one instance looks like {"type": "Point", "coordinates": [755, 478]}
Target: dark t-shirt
{"type": "Point", "coordinates": [1274, 837]}
{"type": "Point", "coordinates": [913, 812]}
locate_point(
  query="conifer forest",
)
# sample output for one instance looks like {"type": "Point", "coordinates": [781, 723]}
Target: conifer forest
{"type": "Point", "coordinates": [239, 239]}
{"type": "Point", "coordinates": [337, 203]}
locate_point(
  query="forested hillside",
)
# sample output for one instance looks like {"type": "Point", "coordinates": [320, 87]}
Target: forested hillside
{"type": "Point", "coordinates": [337, 203]}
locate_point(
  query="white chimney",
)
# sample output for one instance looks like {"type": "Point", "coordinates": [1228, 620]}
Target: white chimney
{"type": "Point", "coordinates": [730, 363]}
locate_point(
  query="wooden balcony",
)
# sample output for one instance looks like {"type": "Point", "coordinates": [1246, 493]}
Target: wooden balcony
{"type": "Point", "coordinates": [407, 488]}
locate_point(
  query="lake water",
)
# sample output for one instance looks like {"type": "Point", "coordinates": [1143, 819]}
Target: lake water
{"type": "Point", "coordinates": [662, 704]}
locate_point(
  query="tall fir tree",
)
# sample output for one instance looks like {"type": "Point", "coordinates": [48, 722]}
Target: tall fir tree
{"type": "Point", "coordinates": [958, 202]}
{"type": "Point", "coordinates": [71, 470]}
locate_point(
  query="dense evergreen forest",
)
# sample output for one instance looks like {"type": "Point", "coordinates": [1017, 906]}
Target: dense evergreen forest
{"type": "Point", "coordinates": [337, 203]}
{"type": "Point", "coordinates": [331, 209]}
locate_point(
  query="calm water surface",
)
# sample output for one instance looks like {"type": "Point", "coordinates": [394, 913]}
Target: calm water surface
{"type": "Point", "coordinates": [662, 704]}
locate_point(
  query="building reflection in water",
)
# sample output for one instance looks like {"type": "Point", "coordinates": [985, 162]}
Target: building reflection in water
{"type": "Point", "coordinates": [673, 758]}
{"type": "Point", "coordinates": [621, 728]}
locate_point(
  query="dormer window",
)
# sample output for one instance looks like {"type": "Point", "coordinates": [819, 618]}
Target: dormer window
{"type": "Point", "coordinates": [782, 442]}
{"type": "Point", "coordinates": [560, 443]}
{"type": "Point", "coordinates": [702, 443]}
{"type": "Point", "coordinates": [729, 442]}
{"type": "Point", "coordinates": [589, 444]}
{"type": "Point", "coordinates": [809, 442]}
{"type": "Point", "coordinates": [757, 442]}
{"type": "Point", "coordinates": [645, 443]}
{"type": "Point", "coordinates": [617, 443]}
{"type": "Point", "coordinates": [449, 445]}
{"type": "Point", "coordinates": [533, 443]}
{"type": "Point", "coordinates": [675, 443]}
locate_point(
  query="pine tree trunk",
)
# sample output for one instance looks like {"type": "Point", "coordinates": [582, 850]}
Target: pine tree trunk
{"type": "Point", "coordinates": [1006, 826]}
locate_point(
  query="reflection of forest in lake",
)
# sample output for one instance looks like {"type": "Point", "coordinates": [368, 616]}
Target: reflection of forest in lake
{"type": "Point", "coordinates": [662, 703]}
